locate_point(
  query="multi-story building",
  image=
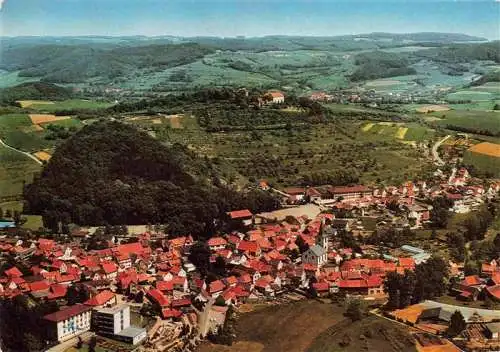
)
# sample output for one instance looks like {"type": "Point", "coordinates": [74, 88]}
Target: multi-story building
{"type": "Point", "coordinates": [70, 322]}
{"type": "Point", "coordinates": [349, 192]}
{"type": "Point", "coordinates": [115, 323]}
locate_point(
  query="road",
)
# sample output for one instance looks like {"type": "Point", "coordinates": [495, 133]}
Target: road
{"type": "Point", "coordinates": [20, 151]}
{"type": "Point", "coordinates": [435, 154]}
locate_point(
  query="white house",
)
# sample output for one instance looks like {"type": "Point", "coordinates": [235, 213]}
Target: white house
{"type": "Point", "coordinates": [317, 254]}
{"type": "Point", "coordinates": [278, 97]}
{"type": "Point", "coordinates": [70, 322]}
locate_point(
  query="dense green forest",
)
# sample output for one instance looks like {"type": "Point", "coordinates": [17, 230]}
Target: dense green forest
{"type": "Point", "coordinates": [380, 64]}
{"type": "Point", "coordinates": [111, 173]}
{"type": "Point", "coordinates": [34, 90]}
{"type": "Point", "coordinates": [50, 62]}
{"type": "Point", "coordinates": [461, 53]}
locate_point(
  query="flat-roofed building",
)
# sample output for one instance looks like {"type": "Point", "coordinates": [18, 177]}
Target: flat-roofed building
{"type": "Point", "coordinates": [114, 322]}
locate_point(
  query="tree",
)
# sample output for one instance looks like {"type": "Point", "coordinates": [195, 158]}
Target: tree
{"type": "Point", "coordinates": [355, 309]}
{"type": "Point", "coordinates": [219, 267]}
{"type": "Point", "coordinates": [432, 277]}
{"type": "Point", "coordinates": [407, 288]}
{"type": "Point", "coordinates": [392, 285]}
{"type": "Point", "coordinates": [457, 324]}
{"type": "Point", "coordinates": [456, 244]}
{"type": "Point", "coordinates": [200, 256]}
{"type": "Point", "coordinates": [8, 213]}
{"type": "Point", "coordinates": [303, 246]}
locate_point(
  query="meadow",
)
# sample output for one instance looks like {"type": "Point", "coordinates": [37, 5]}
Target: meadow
{"type": "Point", "coordinates": [15, 170]}
{"type": "Point", "coordinates": [400, 131]}
{"type": "Point", "coordinates": [474, 121]}
{"type": "Point", "coordinates": [70, 104]}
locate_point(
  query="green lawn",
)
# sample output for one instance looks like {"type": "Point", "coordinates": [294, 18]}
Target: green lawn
{"type": "Point", "coordinates": [34, 222]}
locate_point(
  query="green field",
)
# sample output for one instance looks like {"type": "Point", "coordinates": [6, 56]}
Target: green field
{"type": "Point", "coordinates": [15, 169]}
{"type": "Point", "coordinates": [482, 163]}
{"type": "Point", "coordinates": [71, 104]}
{"type": "Point", "coordinates": [475, 121]}
{"type": "Point", "coordinates": [72, 122]}
{"type": "Point", "coordinates": [414, 132]}
{"type": "Point", "coordinates": [472, 95]}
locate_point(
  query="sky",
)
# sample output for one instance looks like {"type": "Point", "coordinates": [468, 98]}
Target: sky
{"type": "Point", "coordinates": [229, 18]}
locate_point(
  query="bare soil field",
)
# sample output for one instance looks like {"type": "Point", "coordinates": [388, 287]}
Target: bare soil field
{"type": "Point", "coordinates": [42, 155]}
{"type": "Point", "coordinates": [432, 108]}
{"type": "Point", "coordinates": [44, 118]}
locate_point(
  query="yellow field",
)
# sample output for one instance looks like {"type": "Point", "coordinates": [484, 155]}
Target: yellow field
{"type": "Point", "coordinates": [28, 103]}
{"type": "Point", "coordinates": [368, 127]}
{"type": "Point", "coordinates": [400, 134]}
{"type": "Point", "coordinates": [44, 118]}
{"type": "Point", "coordinates": [156, 121]}
{"type": "Point", "coordinates": [486, 148]}
{"type": "Point", "coordinates": [430, 108]}
{"type": "Point", "coordinates": [42, 155]}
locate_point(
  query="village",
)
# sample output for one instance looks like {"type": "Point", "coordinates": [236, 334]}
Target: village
{"type": "Point", "coordinates": [141, 290]}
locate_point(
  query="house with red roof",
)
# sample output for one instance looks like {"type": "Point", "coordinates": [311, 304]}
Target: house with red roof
{"type": "Point", "coordinates": [349, 192]}
{"type": "Point", "coordinates": [216, 243]}
{"type": "Point", "coordinates": [110, 270]}
{"type": "Point", "coordinates": [249, 248]}
{"type": "Point", "coordinates": [168, 313]}
{"type": "Point", "coordinates": [103, 299]}
{"type": "Point", "coordinates": [215, 288]}
{"type": "Point", "coordinates": [469, 288]}
{"type": "Point", "coordinates": [321, 288]}
{"type": "Point", "coordinates": [57, 291]}
{"type": "Point", "coordinates": [240, 217]}
{"type": "Point", "coordinates": [180, 283]}
{"type": "Point", "coordinates": [494, 292]}
{"type": "Point", "coordinates": [275, 97]}
{"type": "Point", "coordinates": [165, 286]}
{"type": "Point", "coordinates": [156, 297]}
{"type": "Point", "coordinates": [13, 272]}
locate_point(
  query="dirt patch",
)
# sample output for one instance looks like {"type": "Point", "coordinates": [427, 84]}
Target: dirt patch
{"type": "Point", "coordinates": [372, 334]}
{"type": "Point", "coordinates": [175, 121]}
{"type": "Point", "coordinates": [42, 155]}
{"type": "Point", "coordinates": [431, 108]}
{"type": "Point", "coordinates": [240, 346]}
{"type": "Point", "coordinates": [44, 118]}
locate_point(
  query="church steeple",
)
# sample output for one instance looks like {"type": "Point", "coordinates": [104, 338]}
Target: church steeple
{"type": "Point", "coordinates": [322, 239]}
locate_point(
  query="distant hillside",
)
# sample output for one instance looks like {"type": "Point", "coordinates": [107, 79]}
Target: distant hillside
{"type": "Point", "coordinates": [76, 63]}
{"type": "Point", "coordinates": [111, 173]}
{"type": "Point", "coordinates": [459, 53]}
{"type": "Point", "coordinates": [380, 64]}
{"type": "Point", "coordinates": [34, 90]}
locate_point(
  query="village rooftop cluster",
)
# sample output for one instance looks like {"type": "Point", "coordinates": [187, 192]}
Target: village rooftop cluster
{"type": "Point", "coordinates": [265, 257]}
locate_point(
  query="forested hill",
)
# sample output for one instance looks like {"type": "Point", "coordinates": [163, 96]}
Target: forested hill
{"type": "Point", "coordinates": [111, 173]}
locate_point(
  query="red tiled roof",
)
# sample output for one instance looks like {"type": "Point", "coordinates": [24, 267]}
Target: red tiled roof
{"type": "Point", "coordinates": [247, 246]}
{"type": "Point", "coordinates": [101, 298]}
{"type": "Point", "coordinates": [57, 291]}
{"type": "Point", "coordinates": [129, 248]}
{"type": "Point", "coordinates": [158, 297]}
{"type": "Point", "coordinates": [165, 285]}
{"type": "Point", "coordinates": [217, 241]}
{"type": "Point", "coordinates": [471, 280]}
{"type": "Point", "coordinates": [321, 286]}
{"type": "Point", "coordinates": [39, 286]}
{"type": "Point", "coordinates": [13, 272]}
{"type": "Point", "coordinates": [67, 313]}
{"type": "Point", "coordinates": [496, 278]}
{"type": "Point", "coordinates": [494, 291]}
{"type": "Point", "coordinates": [349, 189]}
{"type": "Point", "coordinates": [109, 268]}
{"type": "Point", "coordinates": [407, 262]}
{"type": "Point", "coordinates": [182, 302]}
{"type": "Point", "coordinates": [216, 286]}
{"type": "Point", "coordinates": [238, 214]}
{"type": "Point", "coordinates": [170, 313]}
{"type": "Point", "coordinates": [276, 94]}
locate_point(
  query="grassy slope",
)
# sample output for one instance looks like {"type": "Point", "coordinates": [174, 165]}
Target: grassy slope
{"type": "Point", "coordinates": [479, 120]}
{"type": "Point", "coordinates": [70, 104]}
{"type": "Point", "coordinates": [309, 326]}
{"type": "Point", "coordinates": [14, 169]}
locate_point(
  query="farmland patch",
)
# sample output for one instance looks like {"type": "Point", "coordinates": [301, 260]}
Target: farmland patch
{"type": "Point", "coordinates": [44, 118]}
